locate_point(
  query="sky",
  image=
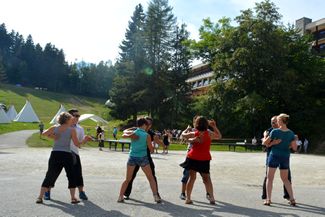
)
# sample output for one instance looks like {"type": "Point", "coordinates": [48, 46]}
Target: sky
{"type": "Point", "coordinates": [91, 30]}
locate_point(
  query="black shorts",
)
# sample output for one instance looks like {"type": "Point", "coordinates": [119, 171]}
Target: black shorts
{"type": "Point", "coordinates": [201, 166]}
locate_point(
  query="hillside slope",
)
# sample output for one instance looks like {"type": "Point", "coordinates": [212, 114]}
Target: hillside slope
{"type": "Point", "coordinates": [46, 104]}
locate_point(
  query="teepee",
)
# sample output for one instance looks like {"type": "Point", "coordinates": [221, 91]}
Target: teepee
{"type": "Point", "coordinates": [54, 119]}
{"type": "Point", "coordinates": [11, 113]}
{"type": "Point", "coordinates": [27, 114]}
{"type": "Point", "coordinates": [4, 119]}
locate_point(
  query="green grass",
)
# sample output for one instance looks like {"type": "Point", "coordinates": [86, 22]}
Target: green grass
{"type": "Point", "coordinates": [46, 104]}
{"type": "Point", "coordinates": [35, 141]}
{"type": "Point", "coordinates": [15, 126]}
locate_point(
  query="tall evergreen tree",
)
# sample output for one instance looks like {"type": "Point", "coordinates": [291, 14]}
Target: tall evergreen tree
{"type": "Point", "coordinates": [129, 91]}
{"type": "Point", "coordinates": [159, 29]}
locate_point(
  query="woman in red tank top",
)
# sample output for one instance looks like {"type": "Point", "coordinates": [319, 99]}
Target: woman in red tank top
{"type": "Point", "coordinates": [198, 158]}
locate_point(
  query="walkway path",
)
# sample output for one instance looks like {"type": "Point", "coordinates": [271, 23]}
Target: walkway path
{"type": "Point", "coordinates": [15, 139]}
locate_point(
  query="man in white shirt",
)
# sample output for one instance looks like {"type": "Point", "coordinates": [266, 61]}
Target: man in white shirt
{"type": "Point", "coordinates": [76, 158]}
{"type": "Point", "coordinates": [75, 152]}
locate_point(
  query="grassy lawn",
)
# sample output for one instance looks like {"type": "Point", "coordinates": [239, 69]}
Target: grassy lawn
{"type": "Point", "coordinates": [35, 141]}
{"type": "Point", "coordinates": [15, 126]}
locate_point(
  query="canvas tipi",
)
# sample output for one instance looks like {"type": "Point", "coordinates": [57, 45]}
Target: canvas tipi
{"type": "Point", "coordinates": [11, 113]}
{"type": "Point", "coordinates": [54, 120]}
{"type": "Point", "coordinates": [27, 114]}
{"type": "Point", "coordinates": [4, 119]}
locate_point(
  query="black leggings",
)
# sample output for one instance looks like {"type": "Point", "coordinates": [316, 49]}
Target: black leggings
{"type": "Point", "coordinates": [136, 169]}
{"type": "Point", "coordinates": [59, 160]}
{"type": "Point", "coordinates": [78, 171]}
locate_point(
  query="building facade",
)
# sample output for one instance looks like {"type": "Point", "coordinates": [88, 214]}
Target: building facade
{"type": "Point", "coordinates": [200, 79]}
{"type": "Point", "coordinates": [317, 29]}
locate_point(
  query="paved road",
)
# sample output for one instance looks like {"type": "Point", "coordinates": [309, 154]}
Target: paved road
{"type": "Point", "coordinates": [236, 178]}
{"type": "Point", "coordinates": [15, 139]}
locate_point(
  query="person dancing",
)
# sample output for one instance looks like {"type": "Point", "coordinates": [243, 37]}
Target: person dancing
{"type": "Point", "coordinates": [156, 140]}
{"type": "Point", "coordinates": [138, 157]}
{"type": "Point", "coordinates": [199, 157]}
{"type": "Point", "coordinates": [61, 156]}
{"type": "Point", "coordinates": [280, 157]}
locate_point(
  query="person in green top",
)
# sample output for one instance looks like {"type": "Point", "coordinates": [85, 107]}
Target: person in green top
{"type": "Point", "coordinates": [280, 156]}
{"type": "Point", "coordinates": [138, 156]}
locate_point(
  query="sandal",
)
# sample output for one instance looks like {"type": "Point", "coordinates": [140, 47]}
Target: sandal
{"type": "Point", "coordinates": [267, 202]}
{"type": "Point", "coordinates": [212, 202]}
{"type": "Point", "coordinates": [120, 200]}
{"type": "Point", "coordinates": [75, 201]}
{"type": "Point", "coordinates": [292, 202]}
{"type": "Point", "coordinates": [157, 198]}
{"type": "Point", "coordinates": [188, 202]}
{"type": "Point", "coordinates": [39, 200]}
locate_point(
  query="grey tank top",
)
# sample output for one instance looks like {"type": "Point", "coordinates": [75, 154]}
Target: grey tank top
{"type": "Point", "coordinates": [63, 141]}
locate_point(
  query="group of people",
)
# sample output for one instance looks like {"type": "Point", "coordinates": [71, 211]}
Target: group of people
{"type": "Point", "coordinates": [68, 136]}
{"type": "Point", "coordinates": [197, 160]}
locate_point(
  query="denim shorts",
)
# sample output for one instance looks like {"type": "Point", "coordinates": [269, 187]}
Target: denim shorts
{"type": "Point", "coordinates": [275, 161]}
{"type": "Point", "coordinates": [138, 161]}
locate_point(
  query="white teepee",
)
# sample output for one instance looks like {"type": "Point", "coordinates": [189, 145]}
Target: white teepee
{"type": "Point", "coordinates": [27, 114]}
{"type": "Point", "coordinates": [12, 113]}
{"type": "Point", "coordinates": [4, 119]}
{"type": "Point", "coordinates": [54, 120]}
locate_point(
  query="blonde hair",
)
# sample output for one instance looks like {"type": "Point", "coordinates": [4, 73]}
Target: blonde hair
{"type": "Point", "coordinates": [64, 117]}
{"type": "Point", "coordinates": [284, 118]}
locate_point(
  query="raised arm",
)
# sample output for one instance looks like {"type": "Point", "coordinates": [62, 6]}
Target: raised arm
{"type": "Point", "coordinates": [149, 144]}
{"type": "Point", "coordinates": [75, 139]}
{"type": "Point", "coordinates": [129, 130]}
{"type": "Point", "coordinates": [49, 132]}
{"type": "Point", "coordinates": [215, 134]}
{"type": "Point", "coordinates": [130, 134]}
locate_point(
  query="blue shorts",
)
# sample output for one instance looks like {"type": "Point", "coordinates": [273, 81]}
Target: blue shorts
{"type": "Point", "coordinates": [138, 161]}
{"type": "Point", "coordinates": [275, 161]}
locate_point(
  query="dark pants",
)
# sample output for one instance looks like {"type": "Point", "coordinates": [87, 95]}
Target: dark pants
{"type": "Point", "coordinates": [285, 192]}
{"type": "Point", "coordinates": [136, 169]}
{"type": "Point", "coordinates": [59, 160]}
{"type": "Point", "coordinates": [77, 169]}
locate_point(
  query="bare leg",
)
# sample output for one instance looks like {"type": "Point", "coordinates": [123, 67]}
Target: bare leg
{"type": "Point", "coordinates": [42, 192]}
{"type": "Point", "coordinates": [286, 182]}
{"type": "Point", "coordinates": [73, 193]}
{"type": "Point", "coordinates": [269, 182]}
{"type": "Point", "coordinates": [189, 186]}
{"type": "Point", "coordinates": [208, 185]}
{"type": "Point", "coordinates": [147, 171]}
{"type": "Point", "coordinates": [129, 173]}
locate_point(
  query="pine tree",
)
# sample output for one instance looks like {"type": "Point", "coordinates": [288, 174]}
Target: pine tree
{"type": "Point", "coordinates": [159, 26]}
{"type": "Point", "coordinates": [129, 91]}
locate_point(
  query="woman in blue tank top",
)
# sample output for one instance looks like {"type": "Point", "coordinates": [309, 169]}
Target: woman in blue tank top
{"type": "Point", "coordinates": [280, 156]}
{"type": "Point", "coordinates": [61, 156]}
{"type": "Point", "coordinates": [140, 141]}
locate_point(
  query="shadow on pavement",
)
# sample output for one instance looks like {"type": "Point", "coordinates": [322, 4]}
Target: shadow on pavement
{"type": "Point", "coordinates": [220, 209]}
{"type": "Point", "coordinates": [305, 208]}
{"type": "Point", "coordinates": [86, 209]}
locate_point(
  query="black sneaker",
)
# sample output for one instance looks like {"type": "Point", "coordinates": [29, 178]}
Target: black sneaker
{"type": "Point", "coordinates": [83, 196]}
{"type": "Point", "coordinates": [182, 196]}
{"type": "Point", "coordinates": [126, 197]}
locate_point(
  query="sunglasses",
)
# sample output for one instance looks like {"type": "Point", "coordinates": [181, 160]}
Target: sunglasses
{"type": "Point", "coordinates": [76, 116]}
